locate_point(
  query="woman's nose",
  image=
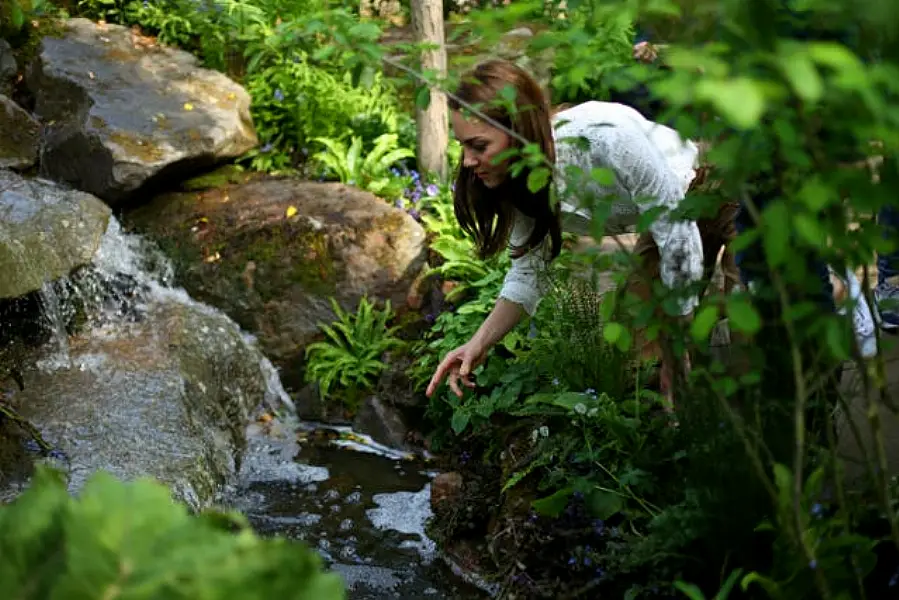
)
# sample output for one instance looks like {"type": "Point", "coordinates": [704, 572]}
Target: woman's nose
{"type": "Point", "coordinates": [468, 159]}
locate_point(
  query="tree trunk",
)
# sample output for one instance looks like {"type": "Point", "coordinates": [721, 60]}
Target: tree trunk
{"type": "Point", "coordinates": [433, 121]}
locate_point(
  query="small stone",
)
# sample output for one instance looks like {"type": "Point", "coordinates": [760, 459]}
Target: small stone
{"type": "Point", "coordinates": [446, 488]}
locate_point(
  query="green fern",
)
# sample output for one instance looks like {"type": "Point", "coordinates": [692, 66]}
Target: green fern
{"type": "Point", "coordinates": [350, 356]}
{"type": "Point", "coordinates": [370, 171]}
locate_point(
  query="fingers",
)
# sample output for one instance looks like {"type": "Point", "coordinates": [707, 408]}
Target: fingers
{"type": "Point", "coordinates": [454, 382]}
{"type": "Point", "coordinates": [442, 369]}
{"type": "Point", "coordinates": [455, 367]}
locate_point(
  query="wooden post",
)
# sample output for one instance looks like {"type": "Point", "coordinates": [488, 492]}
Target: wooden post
{"type": "Point", "coordinates": [433, 122]}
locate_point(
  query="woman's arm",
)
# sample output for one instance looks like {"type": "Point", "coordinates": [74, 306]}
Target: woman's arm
{"type": "Point", "coordinates": [520, 294]}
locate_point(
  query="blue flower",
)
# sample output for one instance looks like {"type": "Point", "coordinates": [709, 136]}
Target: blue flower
{"type": "Point", "coordinates": [279, 95]}
{"type": "Point", "coordinates": [266, 148]}
{"type": "Point", "coordinates": [432, 190]}
{"type": "Point", "coordinates": [817, 509]}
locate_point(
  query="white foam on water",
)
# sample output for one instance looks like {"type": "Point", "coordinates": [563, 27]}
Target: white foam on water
{"type": "Point", "coordinates": [405, 512]}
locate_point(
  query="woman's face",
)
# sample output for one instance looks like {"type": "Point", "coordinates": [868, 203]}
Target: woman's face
{"type": "Point", "coordinates": [481, 143]}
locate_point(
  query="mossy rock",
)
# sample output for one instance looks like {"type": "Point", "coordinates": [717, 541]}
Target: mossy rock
{"type": "Point", "coordinates": [271, 252]}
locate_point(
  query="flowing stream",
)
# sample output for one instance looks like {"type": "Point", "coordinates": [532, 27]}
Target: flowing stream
{"type": "Point", "coordinates": [361, 505]}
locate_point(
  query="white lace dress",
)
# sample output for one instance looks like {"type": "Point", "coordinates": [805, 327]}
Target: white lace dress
{"type": "Point", "coordinates": [652, 166]}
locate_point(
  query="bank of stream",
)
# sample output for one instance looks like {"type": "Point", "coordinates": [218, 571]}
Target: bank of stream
{"type": "Point", "coordinates": [363, 506]}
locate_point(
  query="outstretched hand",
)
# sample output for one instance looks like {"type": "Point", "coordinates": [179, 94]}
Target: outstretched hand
{"type": "Point", "coordinates": [458, 365]}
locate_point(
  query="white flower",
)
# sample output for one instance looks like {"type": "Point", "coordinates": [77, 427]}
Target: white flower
{"type": "Point", "coordinates": [544, 431]}
{"type": "Point", "coordinates": [534, 435]}
{"type": "Point", "coordinates": [580, 409]}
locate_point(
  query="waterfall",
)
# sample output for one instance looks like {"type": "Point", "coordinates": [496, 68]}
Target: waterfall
{"type": "Point", "coordinates": [127, 275]}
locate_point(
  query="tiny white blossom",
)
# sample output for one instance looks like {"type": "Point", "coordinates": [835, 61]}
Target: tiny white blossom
{"type": "Point", "coordinates": [534, 435]}
{"type": "Point", "coordinates": [579, 408]}
{"type": "Point", "coordinates": [592, 412]}
{"type": "Point", "coordinates": [544, 431]}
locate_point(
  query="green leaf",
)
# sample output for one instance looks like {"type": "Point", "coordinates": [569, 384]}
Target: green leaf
{"type": "Point", "coordinates": [810, 230]}
{"type": "Point", "coordinates": [838, 339]}
{"type": "Point", "coordinates": [803, 76]}
{"type": "Point", "coordinates": [776, 226]}
{"type": "Point", "coordinates": [554, 504]}
{"type": "Point", "coordinates": [130, 540]}
{"type": "Point", "coordinates": [17, 16]}
{"type": "Point", "coordinates": [739, 100]}
{"type": "Point", "coordinates": [689, 590]}
{"type": "Point", "coordinates": [742, 315]}
{"type": "Point", "coordinates": [604, 177]}
{"type": "Point", "coordinates": [603, 504]}
{"type": "Point", "coordinates": [460, 420]}
{"type": "Point", "coordinates": [423, 97]}
{"type": "Point", "coordinates": [538, 178]}
{"type": "Point", "coordinates": [703, 323]}
{"type": "Point", "coordinates": [612, 332]}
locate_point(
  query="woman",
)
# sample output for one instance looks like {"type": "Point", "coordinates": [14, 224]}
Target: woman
{"type": "Point", "coordinates": [649, 161]}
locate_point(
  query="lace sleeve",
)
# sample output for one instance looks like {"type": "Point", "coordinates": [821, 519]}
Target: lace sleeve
{"type": "Point", "coordinates": [524, 282]}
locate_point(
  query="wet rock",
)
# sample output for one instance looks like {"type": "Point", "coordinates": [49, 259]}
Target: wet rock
{"type": "Point", "coordinates": [381, 421]}
{"type": "Point", "coordinates": [446, 489]}
{"type": "Point", "coordinates": [168, 397]}
{"type": "Point", "coordinates": [19, 136]}
{"type": "Point", "coordinates": [273, 251]}
{"type": "Point", "coordinates": [45, 232]}
{"type": "Point", "coordinates": [123, 112]}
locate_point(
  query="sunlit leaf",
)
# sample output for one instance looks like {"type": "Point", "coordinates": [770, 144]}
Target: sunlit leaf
{"type": "Point", "coordinates": [742, 315]}
{"type": "Point", "coordinates": [739, 100]}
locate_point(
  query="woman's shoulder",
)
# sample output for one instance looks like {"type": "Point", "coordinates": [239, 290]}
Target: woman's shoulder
{"type": "Point", "coordinates": [597, 112]}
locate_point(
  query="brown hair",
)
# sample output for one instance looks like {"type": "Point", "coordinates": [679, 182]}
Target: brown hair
{"type": "Point", "coordinates": [487, 215]}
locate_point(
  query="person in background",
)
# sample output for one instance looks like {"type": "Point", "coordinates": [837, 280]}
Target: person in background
{"type": "Point", "coordinates": [499, 211]}
{"type": "Point", "coordinates": [886, 293]}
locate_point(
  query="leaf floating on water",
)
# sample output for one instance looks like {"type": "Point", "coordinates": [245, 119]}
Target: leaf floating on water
{"type": "Point", "coordinates": [291, 211]}
{"type": "Point", "coordinates": [188, 106]}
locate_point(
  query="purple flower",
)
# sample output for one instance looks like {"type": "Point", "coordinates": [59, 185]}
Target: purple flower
{"type": "Point", "coordinates": [398, 203]}
{"type": "Point", "coordinates": [415, 214]}
{"type": "Point", "coordinates": [279, 95]}
{"type": "Point", "coordinates": [266, 148]}
{"type": "Point", "coordinates": [432, 190]}
{"type": "Point", "coordinates": [415, 176]}
{"type": "Point", "coordinates": [430, 318]}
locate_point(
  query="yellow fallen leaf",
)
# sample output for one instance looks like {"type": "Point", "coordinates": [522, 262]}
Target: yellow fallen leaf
{"type": "Point", "coordinates": [291, 211]}
{"type": "Point", "coordinates": [188, 106]}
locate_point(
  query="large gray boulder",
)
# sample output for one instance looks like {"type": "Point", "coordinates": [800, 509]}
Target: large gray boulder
{"type": "Point", "coordinates": [20, 136]}
{"type": "Point", "coordinates": [168, 396]}
{"type": "Point", "coordinates": [122, 112]}
{"type": "Point", "coordinates": [46, 231]}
